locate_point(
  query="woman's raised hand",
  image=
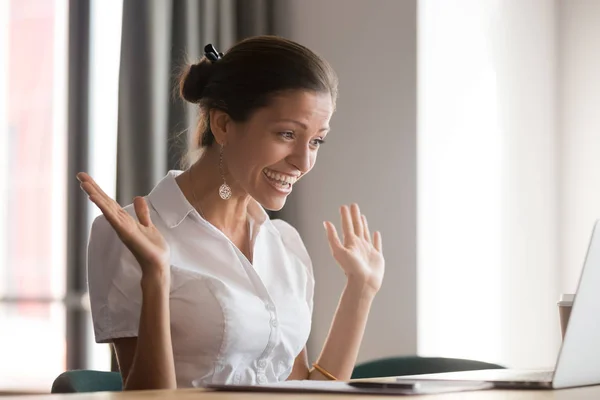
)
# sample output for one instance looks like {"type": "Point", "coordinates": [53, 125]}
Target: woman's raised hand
{"type": "Point", "coordinates": [359, 254]}
{"type": "Point", "coordinates": [141, 237]}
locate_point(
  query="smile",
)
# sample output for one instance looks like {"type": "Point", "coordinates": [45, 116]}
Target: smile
{"type": "Point", "coordinates": [282, 182]}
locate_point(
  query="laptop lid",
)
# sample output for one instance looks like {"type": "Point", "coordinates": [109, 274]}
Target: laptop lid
{"type": "Point", "coordinates": [579, 357]}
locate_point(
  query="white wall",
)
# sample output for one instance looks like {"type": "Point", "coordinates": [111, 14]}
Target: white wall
{"type": "Point", "coordinates": [488, 210]}
{"type": "Point", "coordinates": [579, 88]}
{"type": "Point", "coordinates": [369, 158]}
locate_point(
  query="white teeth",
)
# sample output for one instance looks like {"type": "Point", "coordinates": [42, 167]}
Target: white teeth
{"type": "Point", "coordinates": [287, 179]}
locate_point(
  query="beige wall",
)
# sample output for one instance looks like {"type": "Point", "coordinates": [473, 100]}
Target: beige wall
{"type": "Point", "coordinates": [369, 157]}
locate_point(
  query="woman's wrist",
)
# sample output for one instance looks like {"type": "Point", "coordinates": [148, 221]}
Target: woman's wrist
{"type": "Point", "coordinates": [157, 278]}
{"type": "Point", "coordinates": [359, 288]}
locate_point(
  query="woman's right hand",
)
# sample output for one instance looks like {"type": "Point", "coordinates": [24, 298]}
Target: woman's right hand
{"type": "Point", "coordinates": [141, 237]}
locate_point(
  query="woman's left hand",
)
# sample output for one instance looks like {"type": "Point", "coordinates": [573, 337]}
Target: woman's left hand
{"type": "Point", "coordinates": [360, 256]}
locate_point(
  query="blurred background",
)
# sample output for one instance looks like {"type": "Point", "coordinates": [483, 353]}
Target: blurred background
{"type": "Point", "coordinates": [467, 130]}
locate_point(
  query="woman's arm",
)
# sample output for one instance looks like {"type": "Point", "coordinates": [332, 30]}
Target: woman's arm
{"type": "Point", "coordinates": [146, 362]}
{"type": "Point", "coordinates": [361, 258]}
{"type": "Point", "coordinates": [340, 350]}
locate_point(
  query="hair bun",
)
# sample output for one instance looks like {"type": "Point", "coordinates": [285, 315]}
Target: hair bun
{"type": "Point", "coordinates": [194, 79]}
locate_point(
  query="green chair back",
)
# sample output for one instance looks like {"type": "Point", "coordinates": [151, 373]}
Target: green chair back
{"type": "Point", "coordinates": [415, 365]}
{"type": "Point", "coordinates": [78, 381]}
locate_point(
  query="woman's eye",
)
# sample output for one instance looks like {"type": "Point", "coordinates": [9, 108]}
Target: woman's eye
{"type": "Point", "coordinates": [318, 142]}
{"type": "Point", "coordinates": [287, 135]}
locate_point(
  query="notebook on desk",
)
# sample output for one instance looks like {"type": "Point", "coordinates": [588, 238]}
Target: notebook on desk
{"type": "Point", "coordinates": [578, 362]}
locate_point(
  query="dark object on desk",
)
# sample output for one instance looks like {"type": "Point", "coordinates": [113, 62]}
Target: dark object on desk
{"type": "Point", "coordinates": [384, 385]}
{"type": "Point", "coordinates": [415, 365]}
{"type": "Point", "coordinates": [80, 381]}
{"type": "Point", "coordinates": [340, 387]}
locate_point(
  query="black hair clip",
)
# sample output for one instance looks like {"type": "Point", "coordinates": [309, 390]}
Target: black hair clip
{"type": "Point", "coordinates": [211, 53]}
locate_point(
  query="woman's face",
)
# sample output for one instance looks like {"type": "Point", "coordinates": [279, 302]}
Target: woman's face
{"type": "Point", "coordinates": [278, 144]}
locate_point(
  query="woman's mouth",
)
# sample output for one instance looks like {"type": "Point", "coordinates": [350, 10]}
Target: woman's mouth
{"type": "Point", "coordinates": [281, 182]}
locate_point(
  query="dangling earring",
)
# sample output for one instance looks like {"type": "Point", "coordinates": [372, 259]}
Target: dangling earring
{"type": "Point", "coordinates": [224, 190]}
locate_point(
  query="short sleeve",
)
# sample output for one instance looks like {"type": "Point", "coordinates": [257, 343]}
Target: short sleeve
{"type": "Point", "coordinates": [293, 242]}
{"type": "Point", "coordinates": [114, 278]}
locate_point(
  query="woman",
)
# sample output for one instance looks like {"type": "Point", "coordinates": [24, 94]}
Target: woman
{"type": "Point", "coordinates": [194, 281]}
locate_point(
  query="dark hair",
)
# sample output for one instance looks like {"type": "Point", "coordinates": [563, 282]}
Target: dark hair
{"type": "Point", "coordinates": [248, 75]}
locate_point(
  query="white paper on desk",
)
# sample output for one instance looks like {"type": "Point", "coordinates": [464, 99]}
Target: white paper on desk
{"type": "Point", "coordinates": [309, 386]}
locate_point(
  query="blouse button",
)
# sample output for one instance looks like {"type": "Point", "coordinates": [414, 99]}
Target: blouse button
{"type": "Point", "coordinates": [262, 379]}
{"type": "Point", "coordinates": [274, 323]}
{"type": "Point", "coordinates": [262, 363]}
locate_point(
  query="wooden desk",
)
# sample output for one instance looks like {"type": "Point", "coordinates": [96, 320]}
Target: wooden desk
{"type": "Point", "coordinates": [587, 393]}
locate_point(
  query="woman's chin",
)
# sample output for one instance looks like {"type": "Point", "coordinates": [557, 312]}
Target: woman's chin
{"type": "Point", "coordinates": [270, 197]}
{"type": "Point", "coordinates": [273, 204]}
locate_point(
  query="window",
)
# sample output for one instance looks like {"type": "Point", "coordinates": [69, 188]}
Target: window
{"type": "Point", "coordinates": [33, 52]}
{"type": "Point", "coordinates": [33, 180]}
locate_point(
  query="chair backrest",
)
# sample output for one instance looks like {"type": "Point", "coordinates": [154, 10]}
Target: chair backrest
{"type": "Point", "coordinates": [87, 381]}
{"type": "Point", "coordinates": [415, 365]}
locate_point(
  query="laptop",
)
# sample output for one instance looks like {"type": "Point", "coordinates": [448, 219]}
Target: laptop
{"type": "Point", "coordinates": [578, 362]}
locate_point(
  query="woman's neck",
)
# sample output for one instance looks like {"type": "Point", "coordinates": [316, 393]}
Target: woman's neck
{"type": "Point", "coordinates": [200, 184]}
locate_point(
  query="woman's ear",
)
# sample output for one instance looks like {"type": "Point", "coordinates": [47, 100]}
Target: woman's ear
{"type": "Point", "coordinates": [219, 124]}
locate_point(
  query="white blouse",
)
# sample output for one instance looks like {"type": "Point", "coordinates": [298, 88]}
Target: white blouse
{"type": "Point", "coordinates": [231, 321]}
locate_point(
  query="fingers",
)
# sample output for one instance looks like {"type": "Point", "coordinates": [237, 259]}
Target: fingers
{"type": "Point", "coordinates": [377, 241]}
{"type": "Point", "coordinates": [110, 208]}
{"type": "Point", "coordinates": [100, 192]}
{"type": "Point", "coordinates": [367, 234]}
{"type": "Point", "coordinates": [334, 240]}
{"type": "Point", "coordinates": [81, 176]}
{"type": "Point", "coordinates": [142, 211]}
{"type": "Point", "coordinates": [354, 223]}
{"type": "Point", "coordinates": [97, 199]}
{"type": "Point", "coordinates": [357, 222]}
{"type": "Point", "coordinates": [89, 185]}
{"type": "Point", "coordinates": [347, 227]}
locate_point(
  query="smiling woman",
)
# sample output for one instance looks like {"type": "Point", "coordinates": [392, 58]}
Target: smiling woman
{"type": "Point", "coordinates": [260, 116]}
{"type": "Point", "coordinates": [265, 153]}
{"type": "Point", "coordinates": [200, 255]}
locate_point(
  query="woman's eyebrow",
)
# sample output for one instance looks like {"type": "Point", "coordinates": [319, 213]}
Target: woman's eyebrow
{"type": "Point", "coordinates": [301, 124]}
